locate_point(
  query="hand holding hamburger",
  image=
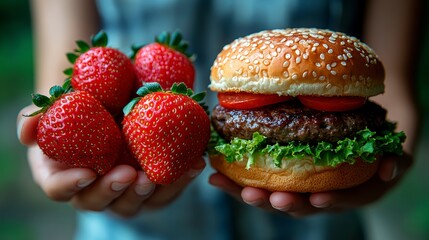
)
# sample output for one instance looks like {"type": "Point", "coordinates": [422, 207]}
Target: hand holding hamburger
{"type": "Point", "coordinates": [294, 113]}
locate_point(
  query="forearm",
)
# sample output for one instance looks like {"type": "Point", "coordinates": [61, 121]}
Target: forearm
{"type": "Point", "coordinates": [56, 27]}
{"type": "Point", "coordinates": [393, 35]}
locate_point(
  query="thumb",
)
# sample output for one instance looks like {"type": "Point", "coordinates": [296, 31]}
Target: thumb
{"type": "Point", "coordinates": [26, 127]}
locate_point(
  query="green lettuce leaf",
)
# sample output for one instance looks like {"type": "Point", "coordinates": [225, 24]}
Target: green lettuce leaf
{"type": "Point", "coordinates": [365, 145]}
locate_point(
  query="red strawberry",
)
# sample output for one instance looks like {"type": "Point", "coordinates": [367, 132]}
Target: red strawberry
{"type": "Point", "coordinates": [165, 62]}
{"type": "Point", "coordinates": [166, 130]}
{"type": "Point", "coordinates": [77, 130]}
{"type": "Point", "coordinates": [106, 73]}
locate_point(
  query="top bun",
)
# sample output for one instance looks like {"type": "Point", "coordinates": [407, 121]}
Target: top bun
{"type": "Point", "coordinates": [298, 61]}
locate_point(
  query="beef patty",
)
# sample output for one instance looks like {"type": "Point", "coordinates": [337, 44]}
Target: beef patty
{"type": "Point", "coordinates": [291, 121]}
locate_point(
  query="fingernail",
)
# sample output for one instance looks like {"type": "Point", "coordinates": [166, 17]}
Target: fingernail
{"type": "Point", "coordinates": [84, 182]}
{"type": "Point", "coordinates": [144, 189]}
{"type": "Point", "coordinates": [254, 203]}
{"type": "Point", "coordinates": [19, 128]}
{"type": "Point", "coordinates": [193, 172]}
{"type": "Point", "coordinates": [283, 208]}
{"type": "Point", "coordinates": [321, 204]}
{"type": "Point", "coordinates": [394, 172]}
{"type": "Point", "coordinates": [116, 186]}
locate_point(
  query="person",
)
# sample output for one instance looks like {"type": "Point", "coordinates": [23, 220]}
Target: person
{"type": "Point", "coordinates": [124, 204]}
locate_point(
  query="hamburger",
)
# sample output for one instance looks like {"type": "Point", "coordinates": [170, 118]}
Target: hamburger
{"type": "Point", "coordinates": [294, 112]}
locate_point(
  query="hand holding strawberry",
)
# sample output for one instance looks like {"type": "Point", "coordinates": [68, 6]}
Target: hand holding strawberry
{"type": "Point", "coordinates": [165, 61]}
{"type": "Point", "coordinates": [77, 130]}
{"type": "Point", "coordinates": [165, 130]}
{"type": "Point", "coordinates": [123, 190]}
{"type": "Point", "coordinates": [75, 134]}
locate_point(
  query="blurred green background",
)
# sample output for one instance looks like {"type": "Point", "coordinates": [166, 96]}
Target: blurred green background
{"type": "Point", "coordinates": [25, 213]}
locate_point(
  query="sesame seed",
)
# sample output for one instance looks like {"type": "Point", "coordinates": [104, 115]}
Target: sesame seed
{"type": "Point", "coordinates": [287, 56]}
{"type": "Point", "coordinates": [304, 74]}
{"type": "Point", "coordinates": [328, 66]}
{"type": "Point", "coordinates": [325, 45]}
{"type": "Point", "coordinates": [343, 63]}
{"type": "Point", "coordinates": [333, 72]}
{"type": "Point", "coordinates": [322, 56]}
{"type": "Point", "coordinates": [294, 76]}
{"type": "Point", "coordinates": [334, 64]}
{"type": "Point", "coordinates": [305, 55]}
{"type": "Point", "coordinates": [285, 74]}
{"type": "Point", "coordinates": [314, 74]}
{"type": "Point", "coordinates": [318, 64]}
{"type": "Point", "coordinates": [321, 78]}
{"type": "Point", "coordinates": [330, 51]}
{"type": "Point", "coordinates": [298, 60]}
{"type": "Point", "coordinates": [297, 52]}
{"type": "Point", "coordinates": [286, 64]}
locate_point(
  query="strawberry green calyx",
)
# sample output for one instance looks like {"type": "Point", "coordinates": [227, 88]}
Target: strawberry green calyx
{"type": "Point", "coordinates": [172, 40]}
{"type": "Point", "coordinates": [98, 40]}
{"type": "Point", "coordinates": [44, 102]}
{"type": "Point", "coordinates": [177, 88]}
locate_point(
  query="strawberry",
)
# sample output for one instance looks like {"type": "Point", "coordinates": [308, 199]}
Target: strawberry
{"type": "Point", "coordinates": [165, 62]}
{"type": "Point", "coordinates": [166, 130]}
{"type": "Point", "coordinates": [77, 130]}
{"type": "Point", "coordinates": [106, 73]}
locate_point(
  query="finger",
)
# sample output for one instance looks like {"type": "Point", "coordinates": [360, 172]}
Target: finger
{"type": "Point", "coordinates": [222, 182]}
{"type": "Point", "coordinates": [391, 170]}
{"type": "Point", "coordinates": [358, 196]}
{"type": "Point", "coordinates": [101, 193]}
{"type": "Point", "coordinates": [26, 127]}
{"type": "Point", "coordinates": [58, 182]}
{"type": "Point", "coordinates": [164, 194]}
{"type": "Point", "coordinates": [129, 203]}
{"type": "Point", "coordinates": [393, 166]}
{"type": "Point", "coordinates": [256, 197]}
{"type": "Point", "coordinates": [295, 204]}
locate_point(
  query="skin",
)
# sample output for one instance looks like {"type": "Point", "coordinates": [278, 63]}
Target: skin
{"type": "Point", "coordinates": [125, 191]}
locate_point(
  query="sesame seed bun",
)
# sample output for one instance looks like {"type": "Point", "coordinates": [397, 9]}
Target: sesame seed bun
{"type": "Point", "coordinates": [298, 62]}
{"type": "Point", "coordinates": [295, 175]}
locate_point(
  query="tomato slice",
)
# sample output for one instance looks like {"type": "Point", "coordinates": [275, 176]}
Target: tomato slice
{"type": "Point", "coordinates": [242, 100]}
{"type": "Point", "coordinates": [332, 104]}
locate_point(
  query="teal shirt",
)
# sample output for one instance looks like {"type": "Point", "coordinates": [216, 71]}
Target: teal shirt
{"type": "Point", "coordinates": [202, 211]}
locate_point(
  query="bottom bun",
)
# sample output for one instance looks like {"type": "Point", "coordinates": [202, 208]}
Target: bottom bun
{"type": "Point", "coordinates": [295, 175]}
